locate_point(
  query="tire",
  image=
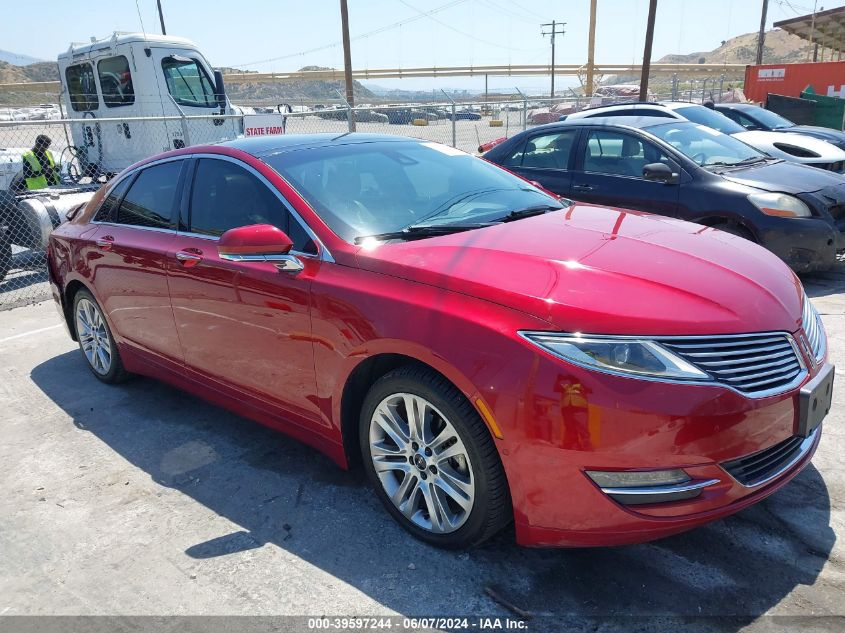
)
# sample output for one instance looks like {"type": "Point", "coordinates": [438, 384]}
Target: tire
{"type": "Point", "coordinates": [5, 254]}
{"type": "Point", "coordinates": [451, 488]}
{"type": "Point", "coordinates": [95, 339]}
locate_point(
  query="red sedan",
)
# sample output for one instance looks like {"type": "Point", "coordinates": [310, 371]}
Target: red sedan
{"type": "Point", "coordinates": [487, 352]}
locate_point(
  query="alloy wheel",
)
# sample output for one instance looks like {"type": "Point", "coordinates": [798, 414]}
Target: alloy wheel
{"type": "Point", "coordinates": [422, 463]}
{"type": "Point", "coordinates": [93, 336]}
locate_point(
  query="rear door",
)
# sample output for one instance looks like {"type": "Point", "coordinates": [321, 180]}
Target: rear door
{"type": "Point", "coordinates": [136, 233]}
{"type": "Point", "coordinates": [244, 324]}
{"type": "Point", "coordinates": [609, 165]}
{"type": "Point", "coordinates": [546, 158]}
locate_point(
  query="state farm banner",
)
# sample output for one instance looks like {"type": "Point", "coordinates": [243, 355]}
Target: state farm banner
{"type": "Point", "coordinates": [263, 124]}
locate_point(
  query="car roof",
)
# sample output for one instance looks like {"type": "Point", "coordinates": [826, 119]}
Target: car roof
{"type": "Point", "coordinates": [260, 146]}
{"type": "Point", "coordinates": [635, 122]}
{"type": "Point", "coordinates": [738, 106]}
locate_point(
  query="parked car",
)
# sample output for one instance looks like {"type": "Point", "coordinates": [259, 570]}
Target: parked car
{"type": "Point", "coordinates": [465, 115]}
{"type": "Point", "coordinates": [681, 169]}
{"type": "Point", "coordinates": [753, 117]}
{"type": "Point", "coordinates": [796, 148]}
{"type": "Point", "coordinates": [486, 352]}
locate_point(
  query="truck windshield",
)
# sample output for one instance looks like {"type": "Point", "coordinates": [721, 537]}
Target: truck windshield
{"type": "Point", "coordinates": [704, 145]}
{"type": "Point", "coordinates": [188, 83]}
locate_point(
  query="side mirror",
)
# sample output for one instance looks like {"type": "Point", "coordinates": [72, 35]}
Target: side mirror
{"type": "Point", "coordinates": [660, 172]}
{"type": "Point", "coordinates": [220, 91]}
{"type": "Point", "coordinates": [259, 243]}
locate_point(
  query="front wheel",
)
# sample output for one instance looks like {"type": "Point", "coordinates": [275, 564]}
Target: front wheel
{"type": "Point", "coordinates": [96, 340]}
{"type": "Point", "coordinates": [431, 459]}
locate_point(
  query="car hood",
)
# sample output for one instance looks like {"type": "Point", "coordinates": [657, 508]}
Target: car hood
{"type": "Point", "coordinates": [765, 142]}
{"type": "Point", "coordinates": [784, 177]}
{"type": "Point", "coordinates": [825, 133]}
{"type": "Point", "coordinates": [607, 271]}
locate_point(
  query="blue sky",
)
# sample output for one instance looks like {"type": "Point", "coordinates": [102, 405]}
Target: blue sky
{"type": "Point", "coordinates": [463, 32]}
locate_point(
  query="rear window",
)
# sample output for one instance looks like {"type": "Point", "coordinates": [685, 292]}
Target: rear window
{"type": "Point", "coordinates": [151, 198]}
{"type": "Point", "coordinates": [710, 118]}
{"type": "Point", "coordinates": [81, 87]}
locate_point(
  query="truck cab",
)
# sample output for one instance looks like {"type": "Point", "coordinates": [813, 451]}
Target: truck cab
{"type": "Point", "coordinates": [132, 76]}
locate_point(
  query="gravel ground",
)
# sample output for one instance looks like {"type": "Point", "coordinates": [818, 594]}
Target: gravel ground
{"type": "Point", "coordinates": [140, 500]}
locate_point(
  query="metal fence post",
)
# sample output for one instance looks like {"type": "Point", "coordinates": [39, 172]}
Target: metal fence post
{"type": "Point", "coordinates": [454, 118]}
{"type": "Point", "coordinates": [185, 136]}
{"type": "Point", "coordinates": [350, 114]}
{"type": "Point", "coordinates": [524, 110]}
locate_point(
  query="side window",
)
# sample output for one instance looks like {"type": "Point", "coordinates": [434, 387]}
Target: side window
{"type": "Point", "coordinates": [619, 154]}
{"type": "Point", "coordinates": [747, 122]}
{"type": "Point", "coordinates": [188, 82]}
{"type": "Point", "coordinates": [116, 81]}
{"type": "Point", "coordinates": [515, 159]}
{"type": "Point", "coordinates": [225, 195]}
{"type": "Point", "coordinates": [549, 151]}
{"type": "Point", "coordinates": [151, 198]}
{"type": "Point", "coordinates": [81, 87]}
{"type": "Point", "coordinates": [106, 211]}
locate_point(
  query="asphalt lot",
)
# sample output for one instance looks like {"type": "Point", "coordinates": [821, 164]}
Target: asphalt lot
{"type": "Point", "coordinates": [141, 500]}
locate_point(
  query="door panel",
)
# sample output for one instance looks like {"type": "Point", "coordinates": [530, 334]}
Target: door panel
{"type": "Point", "coordinates": [546, 158]}
{"type": "Point", "coordinates": [133, 242]}
{"type": "Point", "coordinates": [609, 172]}
{"type": "Point", "coordinates": [246, 324]}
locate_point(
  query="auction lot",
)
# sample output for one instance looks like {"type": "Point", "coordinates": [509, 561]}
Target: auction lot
{"type": "Point", "coordinates": [142, 500]}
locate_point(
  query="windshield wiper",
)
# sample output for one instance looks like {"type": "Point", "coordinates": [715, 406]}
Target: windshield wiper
{"type": "Point", "coordinates": [539, 209]}
{"type": "Point", "coordinates": [420, 231]}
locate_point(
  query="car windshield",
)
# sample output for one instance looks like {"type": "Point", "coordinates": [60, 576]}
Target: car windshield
{"type": "Point", "coordinates": [704, 145]}
{"type": "Point", "coordinates": [363, 189]}
{"type": "Point", "coordinates": [710, 118]}
{"type": "Point", "coordinates": [770, 120]}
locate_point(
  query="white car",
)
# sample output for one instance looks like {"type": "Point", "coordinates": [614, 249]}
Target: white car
{"type": "Point", "coordinates": [790, 146]}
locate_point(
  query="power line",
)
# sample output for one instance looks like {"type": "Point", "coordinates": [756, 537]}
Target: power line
{"type": "Point", "coordinates": [382, 29]}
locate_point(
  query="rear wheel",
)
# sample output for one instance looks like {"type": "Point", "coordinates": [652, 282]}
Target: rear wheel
{"type": "Point", "coordinates": [431, 459]}
{"type": "Point", "coordinates": [736, 229]}
{"type": "Point", "coordinates": [96, 340]}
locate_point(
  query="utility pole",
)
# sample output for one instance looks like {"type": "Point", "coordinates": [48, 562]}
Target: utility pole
{"type": "Point", "coordinates": [591, 49]}
{"type": "Point", "coordinates": [347, 61]}
{"type": "Point", "coordinates": [554, 31]}
{"type": "Point", "coordinates": [761, 36]}
{"type": "Point", "coordinates": [161, 18]}
{"type": "Point", "coordinates": [812, 29]}
{"type": "Point", "coordinates": [649, 38]}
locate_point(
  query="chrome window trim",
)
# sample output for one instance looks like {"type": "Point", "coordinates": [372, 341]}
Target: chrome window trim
{"type": "Point", "coordinates": [322, 253]}
{"type": "Point", "coordinates": [803, 448]}
{"type": "Point", "coordinates": [754, 395]}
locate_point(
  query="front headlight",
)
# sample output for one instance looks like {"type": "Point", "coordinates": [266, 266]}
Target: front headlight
{"type": "Point", "coordinates": [617, 355]}
{"type": "Point", "coordinates": [780, 204]}
{"type": "Point", "coordinates": [813, 328]}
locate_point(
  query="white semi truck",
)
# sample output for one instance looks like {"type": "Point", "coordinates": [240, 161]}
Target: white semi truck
{"type": "Point", "coordinates": [135, 77]}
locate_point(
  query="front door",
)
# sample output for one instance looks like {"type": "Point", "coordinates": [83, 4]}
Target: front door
{"type": "Point", "coordinates": [136, 233]}
{"type": "Point", "coordinates": [609, 170]}
{"type": "Point", "coordinates": [245, 324]}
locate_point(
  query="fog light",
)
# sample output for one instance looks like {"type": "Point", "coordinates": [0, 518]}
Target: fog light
{"type": "Point", "coordinates": [637, 479]}
{"type": "Point", "coordinates": [648, 486]}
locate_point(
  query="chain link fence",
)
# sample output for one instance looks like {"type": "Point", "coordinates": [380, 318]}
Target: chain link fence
{"type": "Point", "coordinates": [89, 151]}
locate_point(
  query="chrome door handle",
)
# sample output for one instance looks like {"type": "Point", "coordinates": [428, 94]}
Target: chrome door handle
{"type": "Point", "coordinates": [105, 242]}
{"type": "Point", "coordinates": [582, 187]}
{"type": "Point", "coordinates": [188, 259]}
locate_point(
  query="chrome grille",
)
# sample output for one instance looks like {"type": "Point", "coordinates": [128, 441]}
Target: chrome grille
{"type": "Point", "coordinates": [763, 466]}
{"type": "Point", "coordinates": [813, 328]}
{"type": "Point", "coordinates": [750, 363]}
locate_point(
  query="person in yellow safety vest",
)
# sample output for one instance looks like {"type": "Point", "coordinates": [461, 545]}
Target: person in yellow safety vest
{"type": "Point", "coordinates": [39, 167]}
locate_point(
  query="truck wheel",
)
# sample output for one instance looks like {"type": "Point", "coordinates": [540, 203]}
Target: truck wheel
{"type": "Point", "coordinates": [5, 255]}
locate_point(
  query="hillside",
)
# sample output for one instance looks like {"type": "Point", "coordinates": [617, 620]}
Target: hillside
{"type": "Point", "coordinates": [16, 58]}
{"type": "Point", "coordinates": [250, 93]}
{"type": "Point", "coordinates": [780, 47]}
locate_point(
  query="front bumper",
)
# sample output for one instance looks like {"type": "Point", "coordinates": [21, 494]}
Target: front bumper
{"type": "Point", "coordinates": [805, 244]}
{"type": "Point", "coordinates": [569, 421]}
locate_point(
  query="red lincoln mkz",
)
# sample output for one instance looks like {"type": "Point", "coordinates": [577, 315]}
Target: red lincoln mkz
{"type": "Point", "coordinates": [488, 352]}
